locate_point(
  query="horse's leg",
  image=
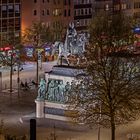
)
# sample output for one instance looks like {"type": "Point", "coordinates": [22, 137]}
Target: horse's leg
{"type": "Point", "coordinates": [58, 59]}
{"type": "Point", "coordinates": [67, 60]}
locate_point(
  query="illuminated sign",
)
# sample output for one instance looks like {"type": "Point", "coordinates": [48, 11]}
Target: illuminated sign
{"type": "Point", "coordinates": [136, 30]}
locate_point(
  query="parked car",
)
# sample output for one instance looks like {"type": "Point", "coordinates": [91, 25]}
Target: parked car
{"type": "Point", "coordinates": [16, 68]}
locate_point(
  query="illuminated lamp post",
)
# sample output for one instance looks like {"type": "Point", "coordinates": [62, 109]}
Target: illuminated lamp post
{"type": "Point", "coordinates": [0, 81]}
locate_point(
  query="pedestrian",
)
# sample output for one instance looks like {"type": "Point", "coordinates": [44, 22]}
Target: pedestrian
{"type": "Point", "coordinates": [33, 82]}
{"type": "Point", "coordinates": [26, 85]}
{"type": "Point", "coordinates": [22, 85]}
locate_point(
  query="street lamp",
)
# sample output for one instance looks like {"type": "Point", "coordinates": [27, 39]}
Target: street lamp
{"type": "Point", "coordinates": [0, 81]}
{"type": "Point", "coordinates": [18, 78]}
{"type": "Point", "coordinates": [99, 127]}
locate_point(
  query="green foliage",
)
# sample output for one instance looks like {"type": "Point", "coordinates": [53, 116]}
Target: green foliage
{"type": "Point", "coordinates": [112, 31]}
{"type": "Point", "coordinates": [37, 34]}
{"type": "Point", "coordinates": [13, 137]}
{"type": "Point", "coordinates": [2, 129]}
{"type": "Point", "coordinates": [110, 93]}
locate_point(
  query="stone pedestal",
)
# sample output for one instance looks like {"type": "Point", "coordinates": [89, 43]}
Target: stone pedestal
{"type": "Point", "coordinates": [56, 111]}
{"type": "Point", "coordinates": [40, 108]}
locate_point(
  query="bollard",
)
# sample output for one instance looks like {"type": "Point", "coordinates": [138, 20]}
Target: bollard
{"type": "Point", "coordinates": [32, 129]}
{"type": "Point", "coordinates": [5, 86]}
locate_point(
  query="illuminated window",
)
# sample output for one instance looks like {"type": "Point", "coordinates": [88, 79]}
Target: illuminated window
{"type": "Point", "coordinates": [56, 12]}
{"type": "Point", "coordinates": [106, 7]}
{"type": "Point", "coordinates": [123, 6]}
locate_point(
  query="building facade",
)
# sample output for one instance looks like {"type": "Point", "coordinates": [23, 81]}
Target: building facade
{"type": "Point", "coordinates": [129, 7]}
{"type": "Point", "coordinates": [83, 13]}
{"type": "Point", "coordinates": [55, 13]}
{"type": "Point", "coordinates": [10, 18]}
{"type": "Point", "coordinates": [17, 15]}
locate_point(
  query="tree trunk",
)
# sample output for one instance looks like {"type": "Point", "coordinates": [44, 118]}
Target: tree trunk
{"type": "Point", "coordinates": [112, 128]}
{"type": "Point", "coordinates": [11, 73]}
{"type": "Point", "coordinates": [37, 71]}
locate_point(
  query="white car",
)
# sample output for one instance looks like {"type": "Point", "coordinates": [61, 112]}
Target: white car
{"type": "Point", "coordinates": [15, 68]}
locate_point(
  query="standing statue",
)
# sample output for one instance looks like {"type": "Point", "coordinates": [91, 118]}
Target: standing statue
{"type": "Point", "coordinates": [61, 87]}
{"type": "Point", "coordinates": [42, 89]}
{"type": "Point", "coordinates": [50, 92]}
{"type": "Point", "coordinates": [56, 91]}
{"type": "Point", "coordinates": [67, 91]}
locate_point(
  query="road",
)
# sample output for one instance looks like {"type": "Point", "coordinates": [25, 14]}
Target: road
{"type": "Point", "coordinates": [28, 74]}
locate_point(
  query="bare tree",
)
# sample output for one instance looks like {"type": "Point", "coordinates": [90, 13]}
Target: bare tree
{"type": "Point", "coordinates": [10, 59]}
{"type": "Point", "coordinates": [37, 35]}
{"type": "Point", "coordinates": [110, 93]}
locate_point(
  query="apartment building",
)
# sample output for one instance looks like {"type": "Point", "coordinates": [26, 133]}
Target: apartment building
{"type": "Point", "coordinates": [17, 15]}
{"type": "Point", "coordinates": [10, 18]}
{"type": "Point", "coordinates": [55, 13]}
{"type": "Point", "coordinates": [129, 7]}
{"type": "Point", "coordinates": [83, 12]}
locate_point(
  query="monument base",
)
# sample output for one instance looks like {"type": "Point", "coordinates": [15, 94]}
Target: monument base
{"type": "Point", "coordinates": [50, 110]}
{"type": "Point", "coordinates": [56, 111]}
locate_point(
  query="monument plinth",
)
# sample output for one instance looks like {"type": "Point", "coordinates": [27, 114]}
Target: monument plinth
{"type": "Point", "coordinates": [40, 108]}
{"type": "Point", "coordinates": [59, 82]}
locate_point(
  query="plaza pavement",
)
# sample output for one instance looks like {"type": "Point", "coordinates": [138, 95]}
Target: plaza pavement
{"type": "Point", "coordinates": [16, 113]}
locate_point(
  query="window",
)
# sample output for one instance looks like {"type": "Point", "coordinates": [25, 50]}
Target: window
{"type": "Point", "coordinates": [90, 11]}
{"type": "Point", "coordinates": [4, 11]}
{"type": "Point", "coordinates": [11, 1]}
{"type": "Point", "coordinates": [78, 12]}
{"type": "Point", "coordinates": [65, 13]}
{"type": "Point", "coordinates": [69, 12]}
{"type": "Point", "coordinates": [48, 12]}
{"type": "Point", "coordinates": [4, 1]}
{"type": "Point", "coordinates": [4, 8]}
{"type": "Point", "coordinates": [123, 6]}
{"type": "Point", "coordinates": [82, 11]}
{"type": "Point", "coordinates": [17, 10]}
{"type": "Point", "coordinates": [35, 12]}
{"type": "Point", "coordinates": [56, 12]}
{"type": "Point", "coordinates": [10, 10]}
{"type": "Point", "coordinates": [65, 2]}
{"type": "Point", "coordinates": [86, 12]}
{"type": "Point", "coordinates": [69, 2]}
{"type": "Point", "coordinates": [54, 1]}
{"type": "Point", "coordinates": [17, 1]}
{"type": "Point", "coordinates": [106, 7]}
{"type": "Point", "coordinates": [43, 12]}
{"type": "Point", "coordinates": [75, 12]}
{"type": "Point", "coordinates": [136, 5]}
